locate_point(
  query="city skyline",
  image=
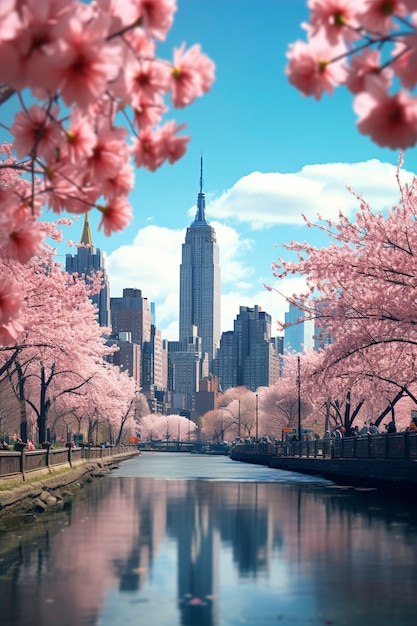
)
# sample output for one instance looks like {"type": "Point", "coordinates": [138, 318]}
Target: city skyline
{"type": "Point", "coordinates": [269, 155]}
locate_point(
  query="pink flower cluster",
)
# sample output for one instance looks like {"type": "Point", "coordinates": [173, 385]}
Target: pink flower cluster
{"type": "Point", "coordinates": [370, 46]}
{"type": "Point", "coordinates": [97, 59]}
{"type": "Point", "coordinates": [93, 96]}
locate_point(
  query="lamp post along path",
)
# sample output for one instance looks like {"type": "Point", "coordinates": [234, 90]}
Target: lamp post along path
{"type": "Point", "coordinates": [299, 397]}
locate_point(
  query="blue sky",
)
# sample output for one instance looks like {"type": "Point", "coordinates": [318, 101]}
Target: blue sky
{"type": "Point", "coordinates": [269, 155]}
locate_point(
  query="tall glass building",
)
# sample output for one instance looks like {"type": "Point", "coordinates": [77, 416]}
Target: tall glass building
{"type": "Point", "coordinates": [200, 281]}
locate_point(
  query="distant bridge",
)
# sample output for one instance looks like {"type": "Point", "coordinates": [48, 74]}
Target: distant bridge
{"type": "Point", "coordinates": [195, 447]}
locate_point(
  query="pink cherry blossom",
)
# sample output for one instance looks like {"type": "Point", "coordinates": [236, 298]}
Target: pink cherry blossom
{"type": "Point", "coordinates": [88, 63]}
{"type": "Point", "coordinates": [311, 71]}
{"type": "Point", "coordinates": [9, 332]}
{"type": "Point", "coordinates": [110, 151]}
{"type": "Point", "coordinates": [10, 300]}
{"type": "Point", "coordinates": [157, 16]}
{"type": "Point", "coordinates": [123, 13]}
{"type": "Point", "coordinates": [81, 137]}
{"type": "Point", "coordinates": [405, 57]}
{"type": "Point", "coordinates": [36, 132]}
{"type": "Point", "coordinates": [377, 15]}
{"type": "Point", "coordinates": [153, 147]}
{"type": "Point", "coordinates": [146, 80]}
{"type": "Point", "coordinates": [33, 58]}
{"type": "Point", "coordinates": [334, 19]}
{"type": "Point", "coordinates": [192, 75]}
{"type": "Point", "coordinates": [10, 23]}
{"type": "Point", "coordinates": [410, 5]}
{"type": "Point", "coordinates": [115, 215]}
{"type": "Point", "coordinates": [24, 242]}
{"type": "Point", "coordinates": [148, 112]}
{"type": "Point", "coordinates": [10, 65]}
{"type": "Point", "coordinates": [147, 149]}
{"type": "Point", "coordinates": [390, 120]}
{"type": "Point", "coordinates": [404, 65]}
{"type": "Point", "coordinates": [67, 190]}
{"type": "Point", "coordinates": [121, 183]}
{"type": "Point", "coordinates": [367, 64]}
{"type": "Point", "coordinates": [140, 44]}
{"type": "Point", "coordinates": [173, 147]}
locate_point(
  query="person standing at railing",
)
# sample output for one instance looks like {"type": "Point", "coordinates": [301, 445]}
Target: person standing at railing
{"type": "Point", "coordinates": [373, 429]}
{"type": "Point", "coordinates": [391, 428]}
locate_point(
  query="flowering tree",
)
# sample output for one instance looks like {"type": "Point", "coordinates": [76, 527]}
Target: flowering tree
{"type": "Point", "coordinates": [155, 426]}
{"type": "Point", "coordinates": [106, 406]}
{"type": "Point", "coordinates": [279, 403]}
{"type": "Point", "coordinates": [370, 47]}
{"type": "Point", "coordinates": [219, 425]}
{"type": "Point", "coordinates": [61, 346]}
{"type": "Point", "coordinates": [361, 293]}
{"type": "Point", "coordinates": [85, 77]}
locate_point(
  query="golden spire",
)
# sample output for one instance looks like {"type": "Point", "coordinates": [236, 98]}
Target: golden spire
{"type": "Point", "coordinates": [86, 235]}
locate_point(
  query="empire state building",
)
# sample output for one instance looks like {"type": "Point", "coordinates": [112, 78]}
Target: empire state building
{"type": "Point", "coordinates": [200, 281]}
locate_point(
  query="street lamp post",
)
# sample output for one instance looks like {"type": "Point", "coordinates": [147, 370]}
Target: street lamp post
{"type": "Point", "coordinates": [299, 397]}
{"type": "Point", "coordinates": [221, 425]}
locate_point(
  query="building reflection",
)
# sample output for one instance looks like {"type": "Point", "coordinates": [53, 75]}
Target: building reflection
{"type": "Point", "coordinates": [111, 537]}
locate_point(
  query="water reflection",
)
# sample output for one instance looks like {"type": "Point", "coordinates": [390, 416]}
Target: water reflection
{"type": "Point", "coordinates": [133, 549]}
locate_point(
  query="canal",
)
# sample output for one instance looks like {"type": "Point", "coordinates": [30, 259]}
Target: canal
{"type": "Point", "coordinates": [170, 539]}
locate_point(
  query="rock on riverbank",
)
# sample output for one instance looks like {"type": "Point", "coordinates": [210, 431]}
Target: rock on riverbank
{"type": "Point", "coordinates": [47, 493]}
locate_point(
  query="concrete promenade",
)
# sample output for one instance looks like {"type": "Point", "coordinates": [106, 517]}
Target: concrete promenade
{"type": "Point", "coordinates": [372, 470]}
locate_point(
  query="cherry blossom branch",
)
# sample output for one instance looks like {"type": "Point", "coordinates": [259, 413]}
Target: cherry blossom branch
{"type": "Point", "coordinates": [321, 64]}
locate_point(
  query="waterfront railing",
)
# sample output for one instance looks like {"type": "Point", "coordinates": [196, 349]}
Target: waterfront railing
{"type": "Point", "coordinates": [19, 463]}
{"type": "Point", "coordinates": [383, 446]}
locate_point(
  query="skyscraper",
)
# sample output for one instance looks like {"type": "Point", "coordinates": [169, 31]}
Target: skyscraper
{"type": "Point", "coordinates": [200, 281]}
{"type": "Point", "coordinates": [90, 259]}
{"type": "Point", "coordinates": [299, 335]}
{"type": "Point", "coordinates": [132, 313]}
{"type": "Point", "coordinates": [248, 356]}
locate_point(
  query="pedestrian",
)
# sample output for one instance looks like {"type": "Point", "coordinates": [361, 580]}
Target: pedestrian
{"type": "Point", "coordinates": [373, 429]}
{"type": "Point", "coordinates": [413, 426]}
{"type": "Point", "coordinates": [391, 428]}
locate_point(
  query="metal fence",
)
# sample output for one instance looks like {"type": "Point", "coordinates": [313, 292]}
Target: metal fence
{"type": "Point", "coordinates": [383, 446]}
{"type": "Point", "coordinates": [21, 462]}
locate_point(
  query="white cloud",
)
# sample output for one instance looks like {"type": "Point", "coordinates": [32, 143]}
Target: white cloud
{"type": "Point", "coordinates": [266, 199]}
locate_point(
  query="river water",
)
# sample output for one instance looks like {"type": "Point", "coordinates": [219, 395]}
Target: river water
{"type": "Point", "coordinates": [173, 539]}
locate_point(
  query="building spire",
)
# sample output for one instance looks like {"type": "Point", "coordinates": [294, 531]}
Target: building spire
{"type": "Point", "coordinates": [201, 173]}
{"type": "Point", "coordinates": [86, 234]}
{"type": "Point", "coordinates": [200, 216]}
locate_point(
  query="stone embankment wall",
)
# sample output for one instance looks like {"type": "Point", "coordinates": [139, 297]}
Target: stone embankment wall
{"type": "Point", "coordinates": [42, 492]}
{"type": "Point", "coordinates": [395, 475]}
